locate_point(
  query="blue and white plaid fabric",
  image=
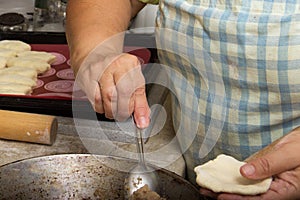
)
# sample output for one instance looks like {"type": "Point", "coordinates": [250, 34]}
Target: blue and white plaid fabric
{"type": "Point", "coordinates": [253, 48]}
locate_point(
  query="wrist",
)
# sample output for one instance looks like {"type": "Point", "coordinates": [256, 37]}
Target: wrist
{"type": "Point", "coordinates": [94, 50]}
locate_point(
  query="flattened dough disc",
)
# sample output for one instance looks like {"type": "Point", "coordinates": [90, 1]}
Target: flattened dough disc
{"type": "Point", "coordinates": [16, 45]}
{"type": "Point", "coordinates": [223, 175]}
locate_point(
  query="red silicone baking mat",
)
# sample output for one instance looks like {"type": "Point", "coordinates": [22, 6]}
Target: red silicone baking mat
{"type": "Point", "coordinates": [58, 81]}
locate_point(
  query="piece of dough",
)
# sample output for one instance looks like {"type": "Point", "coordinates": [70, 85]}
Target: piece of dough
{"type": "Point", "coordinates": [17, 79]}
{"type": "Point", "coordinates": [223, 175]}
{"type": "Point", "coordinates": [14, 92]}
{"type": "Point", "coordinates": [39, 65]}
{"type": "Point", "coordinates": [7, 53]}
{"type": "Point", "coordinates": [28, 72]}
{"type": "Point", "coordinates": [9, 88]}
{"type": "Point", "coordinates": [3, 61]}
{"type": "Point", "coordinates": [38, 55]}
{"type": "Point", "coordinates": [16, 45]}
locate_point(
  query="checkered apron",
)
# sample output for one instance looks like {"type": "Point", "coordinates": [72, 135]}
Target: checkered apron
{"type": "Point", "coordinates": [234, 70]}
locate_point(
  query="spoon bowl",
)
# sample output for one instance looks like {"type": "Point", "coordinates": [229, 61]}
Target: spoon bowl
{"type": "Point", "coordinates": [141, 174]}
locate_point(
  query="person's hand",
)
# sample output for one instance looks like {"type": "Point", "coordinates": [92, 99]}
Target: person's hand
{"type": "Point", "coordinates": [115, 86]}
{"type": "Point", "coordinates": [281, 160]}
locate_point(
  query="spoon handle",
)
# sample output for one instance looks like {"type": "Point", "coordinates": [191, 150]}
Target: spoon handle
{"type": "Point", "coordinates": [140, 146]}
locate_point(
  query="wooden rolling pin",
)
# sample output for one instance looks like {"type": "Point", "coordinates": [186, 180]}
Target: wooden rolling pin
{"type": "Point", "coordinates": [28, 127]}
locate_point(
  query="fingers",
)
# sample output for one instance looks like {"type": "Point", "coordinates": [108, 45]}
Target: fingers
{"type": "Point", "coordinates": [283, 156]}
{"type": "Point", "coordinates": [126, 85]}
{"type": "Point", "coordinates": [98, 106]}
{"type": "Point", "coordinates": [280, 160]}
{"type": "Point", "coordinates": [141, 108]}
{"type": "Point", "coordinates": [227, 196]}
{"type": "Point", "coordinates": [122, 91]}
{"type": "Point", "coordinates": [108, 94]}
{"type": "Point", "coordinates": [132, 97]}
{"type": "Point", "coordinates": [208, 193]}
{"type": "Point", "coordinates": [280, 189]}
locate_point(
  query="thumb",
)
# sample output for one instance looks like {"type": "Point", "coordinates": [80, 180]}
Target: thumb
{"type": "Point", "coordinates": [280, 157]}
{"type": "Point", "coordinates": [141, 108]}
{"type": "Point", "coordinates": [259, 168]}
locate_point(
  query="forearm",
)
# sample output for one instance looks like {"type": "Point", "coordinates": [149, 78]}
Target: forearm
{"type": "Point", "coordinates": [90, 22]}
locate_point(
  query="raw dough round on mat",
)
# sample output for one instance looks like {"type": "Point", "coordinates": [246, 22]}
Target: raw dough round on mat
{"type": "Point", "coordinates": [8, 88]}
{"type": "Point", "coordinates": [7, 53]}
{"type": "Point", "coordinates": [39, 65]}
{"type": "Point", "coordinates": [28, 72]}
{"type": "Point", "coordinates": [17, 79]}
{"type": "Point", "coordinates": [15, 45]}
{"type": "Point", "coordinates": [3, 61]}
{"type": "Point", "coordinates": [223, 175]}
{"type": "Point", "coordinates": [38, 55]}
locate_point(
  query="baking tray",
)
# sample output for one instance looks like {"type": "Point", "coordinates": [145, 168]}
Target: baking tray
{"type": "Point", "coordinates": [54, 90]}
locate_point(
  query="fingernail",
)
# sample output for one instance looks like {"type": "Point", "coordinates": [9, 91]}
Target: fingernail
{"type": "Point", "coordinates": [248, 169]}
{"type": "Point", "coordinates": [142, 122]}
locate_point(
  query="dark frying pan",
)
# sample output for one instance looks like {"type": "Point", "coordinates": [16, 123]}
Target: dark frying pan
{"type": "Point", "coordinates": [80, 176]}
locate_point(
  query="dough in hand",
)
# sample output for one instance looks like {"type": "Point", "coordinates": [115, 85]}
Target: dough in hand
{"type": "Point", "coordinates": [223, 175]}
{"type": "Point", "coordinates": [37, 55]}
{"type": "Point", "coordinates": [16, 45]}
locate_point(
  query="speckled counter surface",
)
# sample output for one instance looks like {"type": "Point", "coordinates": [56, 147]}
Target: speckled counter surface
{"type": "Point", "coordinates": [69, 142]}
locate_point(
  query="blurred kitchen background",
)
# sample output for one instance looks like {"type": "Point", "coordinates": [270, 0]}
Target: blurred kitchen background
{"type": "Point", "coordinates": [43, 22]}
{"type": "Point", "coordinates": [48, 16]}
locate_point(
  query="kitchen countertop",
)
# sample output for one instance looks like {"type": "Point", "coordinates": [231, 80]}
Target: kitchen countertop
{"type": "Point", "coordinates": [68, 141]}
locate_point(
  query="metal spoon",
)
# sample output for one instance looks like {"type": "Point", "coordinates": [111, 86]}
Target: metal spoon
{"type": "Point", "coordinates": [142, 174]}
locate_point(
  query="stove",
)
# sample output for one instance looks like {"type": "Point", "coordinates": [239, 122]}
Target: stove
{"type": "Point", "coordinates": [23, 15]}
{"type": "Point", "coordinates": [13, 22]}
{"type": "Point", "coordinates": [16, 15]}
{"type": "Point", "coordinates": [18, 6]}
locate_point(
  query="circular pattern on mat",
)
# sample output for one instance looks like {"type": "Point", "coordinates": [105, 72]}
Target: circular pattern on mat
{"type": "Point", "coordinates": [60, 86]}
{"type": "Point", "coordinates": [39, 83]}
{"type": "Point", "coordinates": [65, 74]}
{"type": "Point", "coordinates": [48, 73]}
{"type": "Point", "coordinates": [60, 59]}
